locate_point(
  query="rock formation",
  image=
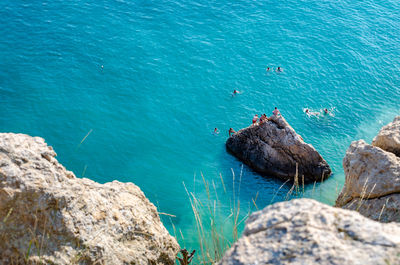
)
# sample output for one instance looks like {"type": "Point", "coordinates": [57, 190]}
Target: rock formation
{"type": "Point", "coordinates": [388, 137]}
{"type": "Point", "coordinates": [372, 185]}
{"type": "Point", "coordinates": [274, 148]}
{"type": "Point", "coordinates": [304, 231]}
{"type": "Point", "coordinates": [49, 216]}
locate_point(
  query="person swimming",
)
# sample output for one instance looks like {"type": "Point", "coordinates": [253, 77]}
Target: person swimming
{"type": "Point", "coordinates": [279, 69]}
{"type": "Point", "coordinates": [311, 113]}
{"type": "Point", "coordinates": [268, 69]}
{"type": "Point", "coordinates": [326, 111]}
{"type": "Point", "coordinates": [231, 131]}
{"type": "Point", "coordinates": [216, 131]}
{"type": "Point", "coordinates": [235, 92]}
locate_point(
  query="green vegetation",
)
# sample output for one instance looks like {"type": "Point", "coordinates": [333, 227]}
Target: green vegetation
{"type": "Point", "coordinates": [218, 228]}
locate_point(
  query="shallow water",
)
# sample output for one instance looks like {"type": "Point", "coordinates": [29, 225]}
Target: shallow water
{"type": "Point", "coordinates": [169, 68]}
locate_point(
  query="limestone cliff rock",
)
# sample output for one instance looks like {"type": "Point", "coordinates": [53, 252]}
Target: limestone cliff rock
{"type": "Point", "coordinates": [305, 231]}
{"type": "Point", "coordinates": [274, 148]}
{"type": "Point", "coordinates": [370, 173]}
{"type": "Point", "coordinates": [383, 209]}
{"type": "Point", "coordinates": [372, 185]}
{"type": "Point", "coordinates": [48, 215]}
{"type": "Point", "coordinates": [388, 137]}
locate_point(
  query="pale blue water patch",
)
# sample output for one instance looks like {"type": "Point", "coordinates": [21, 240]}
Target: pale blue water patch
{"type": "Point", "coordinates": [169, 68]}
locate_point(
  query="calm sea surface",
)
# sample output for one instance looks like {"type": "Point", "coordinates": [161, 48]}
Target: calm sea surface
{"type": "Point", "coordinates": [169, 69]}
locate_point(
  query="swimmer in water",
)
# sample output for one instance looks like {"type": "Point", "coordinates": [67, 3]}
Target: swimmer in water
{"type": "Point", "coordinates": [279, 69]}
{"type": "Point", "coordinates": [235, 92]}
{"type": "Point", "coordinates": [231, 131]}
{"type": "Point", "coordinates": [216, 131]}
{"type": "Point", "coordinates": [311, 113]}
{"type": "Point", "coordinates": [268, 69]}
{"type": "Point", "coordinates": [326, 111]}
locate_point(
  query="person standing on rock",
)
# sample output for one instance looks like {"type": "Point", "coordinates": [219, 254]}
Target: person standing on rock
{"type": "Point", "coordinates": [276, 112]}
{"type": "Point", "coordinates": [231, 131]}
{"type": "Point", "coordinates": [255, 118]}
{"type": "Point", "coordinates": [263, 118]}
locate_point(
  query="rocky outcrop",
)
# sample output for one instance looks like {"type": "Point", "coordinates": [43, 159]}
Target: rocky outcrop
{"type": "Point", "coordinates": [372, 185]}
{"type": "Point", "coordinates": [388, 137]}
{"type": "Point", "coordinates": [370, 173]}
{"type": "Point", "coordinates": [305, 231]}
{"type": "Point", "coordinates": [49, 216]}
{"type": "Point", "coordinates": [274, 148]}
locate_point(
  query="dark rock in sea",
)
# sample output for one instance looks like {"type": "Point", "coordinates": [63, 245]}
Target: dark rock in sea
{"type": "Point", "coordinates": [274, 148]}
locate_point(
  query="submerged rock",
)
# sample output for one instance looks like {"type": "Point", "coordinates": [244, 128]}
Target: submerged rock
{"type": "Point", "coordinates": [48, 215]}
{"type": "Point", "coordinates": [305, 231]}
{"type": "Point", "coordinates": [372, 185]}
{"type": "Point", "coordinates": [274, 148]}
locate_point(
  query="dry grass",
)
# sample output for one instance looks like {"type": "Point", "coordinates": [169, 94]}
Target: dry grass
{"type": "Point", "coordinates": [212, 221]}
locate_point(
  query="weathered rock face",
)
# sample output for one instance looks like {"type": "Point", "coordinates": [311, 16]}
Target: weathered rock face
{"type": "Point", "coordinates": [372, 185]}
{"type": "Point", "coordinates": [388, 137]}
{"type": "Point", "coordinates": [305, 231]}
{"type": "Point", "coordinates": [370, 173]}
{"type": "Point", "coordinates": [274, 148]}
{"type": "Point", "coordinates": [383, 209]}
{"type": "Point", "coordinates": [49, 215]}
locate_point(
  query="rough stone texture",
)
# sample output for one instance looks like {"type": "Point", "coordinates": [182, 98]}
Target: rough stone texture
{"type": "Point", "coordinates": [60, 219]}
{"type": "Point", "coordinates": [305, 231]}
{"type": "Point", "coordinates": [372, 185]}
{"type": "Point", "coordinates": [388, 137]}
{"type": "Point", "coordinates": [383, 209]}
{"type": "Point", "coordinates": [274, 148]}
{"type": "Point", "coordinates": [370, 173]}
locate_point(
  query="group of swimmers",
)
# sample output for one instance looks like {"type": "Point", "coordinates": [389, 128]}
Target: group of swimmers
{"type": "Point", "coordinates": [325, 111]}
{"type": "Point", "coordinates": [231, 131]}
{"type": "Point", "coordinates": [278, 70]}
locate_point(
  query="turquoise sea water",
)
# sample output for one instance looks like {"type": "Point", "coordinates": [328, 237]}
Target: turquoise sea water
{"type": "Point", "coordinates": [169, 70]}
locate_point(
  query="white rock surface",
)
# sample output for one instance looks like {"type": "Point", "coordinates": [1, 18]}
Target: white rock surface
{"type": "Point", "coordinates": [388, 137]}
{"type": "Point", "coordinates": [49, 215]}
{"type": "Point", "coordinates": [370, 173]}
{"type": "Point", "coordinates": [307, 232]}
{"type": "Point", "coordinates": [372, 185]}
{"type": "Point", "coordinates": [383, 209]}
